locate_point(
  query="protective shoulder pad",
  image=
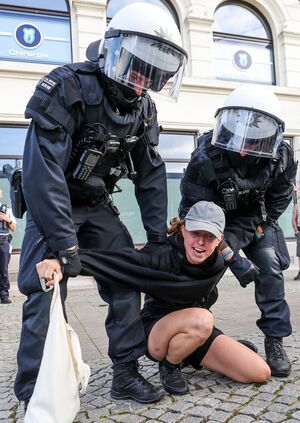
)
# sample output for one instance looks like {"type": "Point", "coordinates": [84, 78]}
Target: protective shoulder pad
{"type": "Point", "coordinates": [206, 136]}
{"type": "Point", "coordinates": [52, 102]}
{"type": "Point", "coordinates": [86, 72]}
{"type": "Point", "coordinates": [149, 108]}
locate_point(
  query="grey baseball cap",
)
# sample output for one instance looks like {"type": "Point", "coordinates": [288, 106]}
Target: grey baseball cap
{"type": "Point", "coordinates": [206, 216]}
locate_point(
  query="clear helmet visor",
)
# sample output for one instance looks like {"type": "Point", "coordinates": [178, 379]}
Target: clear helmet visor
{"type": "Point", "coordinates": [143, 63]}
{"type": "Point", "coordinates": [247, 131]}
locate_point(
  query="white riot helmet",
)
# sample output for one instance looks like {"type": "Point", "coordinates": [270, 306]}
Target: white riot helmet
{"type": "Point", "coordinates": [249, 122]}
{"type": "Point", "coordinates": [142, 49]}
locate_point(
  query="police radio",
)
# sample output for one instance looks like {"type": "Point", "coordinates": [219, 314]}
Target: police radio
{"type": "Point", "coordinates": [229, 191]}
{"type": "Point", "coordinates": [3, 208]}
{"type": "Point", "coordinates": [14, 175]}
{"type": "Point", "coordinates": [87, 163]}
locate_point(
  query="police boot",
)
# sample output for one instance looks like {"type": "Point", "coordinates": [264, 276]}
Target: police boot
{"type": "Point", "coordinates": [297, 277]}
{"type": "Point", "coordinates": [5, 301]}
{"type": "Point", "coordinates": [171, 378]}
{"type": "Point", "coordinates": [276, 357]}
{"type": "Point", "coordinates": [129, 384]}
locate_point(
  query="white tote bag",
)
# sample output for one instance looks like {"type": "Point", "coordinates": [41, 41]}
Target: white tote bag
{"type": "Point", "coordinates": [55, 398]}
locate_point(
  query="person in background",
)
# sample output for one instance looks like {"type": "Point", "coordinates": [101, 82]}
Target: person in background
{"type": "Point", "coordinates": [181, 285]}
{"type": "Point", "coordinates": [92, 124]}
{"type": "Point", "coordinates": [7, 224]}
{"type": "Point", "coordinates": [296, 226]}
{"type": "Point", "coordinates": [246, 167]}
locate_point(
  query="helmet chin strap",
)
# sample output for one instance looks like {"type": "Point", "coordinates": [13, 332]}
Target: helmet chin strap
{"type": "Point", "coordinates": [121, 97]}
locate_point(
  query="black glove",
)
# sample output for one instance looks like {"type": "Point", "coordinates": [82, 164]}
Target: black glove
{"type": "Point", "coordinates": [154, 247]}
{"type": "Point", "coordinates": [243, 269]}
{"type": "Point", "coordinates": [70, 262]}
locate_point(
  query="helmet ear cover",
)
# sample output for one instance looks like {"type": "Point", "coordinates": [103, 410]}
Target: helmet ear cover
{"type": "Point", "coordinates": [92, 52]}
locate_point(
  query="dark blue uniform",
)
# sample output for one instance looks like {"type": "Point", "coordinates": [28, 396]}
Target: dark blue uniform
{"type": "Point", "coordinates": [63, 212]}
{"type": "Point", "coordinates": [264, 193]}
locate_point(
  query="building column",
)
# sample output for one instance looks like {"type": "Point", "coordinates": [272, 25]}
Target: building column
{"type": "Point", "coordinates": [88, 25]}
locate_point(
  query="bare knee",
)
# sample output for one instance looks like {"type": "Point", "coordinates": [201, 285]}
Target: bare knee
{"type": "Point", "coordinates": [262, 374]}
{"type": "Point", "coordinates": [259, 373]}
{"type": "Point", "coordinates": [201, 324]}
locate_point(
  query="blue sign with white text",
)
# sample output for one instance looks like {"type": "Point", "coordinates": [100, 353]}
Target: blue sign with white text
{"type": "Point", "coordinates": [34, 38]}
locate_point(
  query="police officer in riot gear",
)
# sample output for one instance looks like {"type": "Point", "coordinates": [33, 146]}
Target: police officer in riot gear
{"type": "Point", "coordinates": [245, 166]}
{"type": "Point", "coordinates": [93, 123]}
{"type": "Point", "coordinates": [7, 225]}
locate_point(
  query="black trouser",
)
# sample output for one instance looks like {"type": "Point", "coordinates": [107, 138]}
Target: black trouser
{"type": "Point", "coordinates": [4, 261]}
{"type": "Point", "coordinates": [98, 227]}
{"type": "Point", "coordinates": [271, 257]}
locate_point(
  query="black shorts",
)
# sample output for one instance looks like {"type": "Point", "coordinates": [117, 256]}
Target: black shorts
{"type": "Point", "coordinates": [194, 359]}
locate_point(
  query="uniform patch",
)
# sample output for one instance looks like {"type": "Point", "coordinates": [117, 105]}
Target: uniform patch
{"type": "Point", "coordinates": [47, 84]}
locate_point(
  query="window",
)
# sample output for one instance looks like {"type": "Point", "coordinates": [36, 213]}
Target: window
{"type": "Point", "coordinates": [243, 48]}
{"type": "Point", "coordinates": [12, 141]}
{"type": "Point", "coordinates": [175, 149]}
{"type": "Point", "coordinates": [35, 31]}
{"type": "Point", "coordinates": [285, 220]}
{"type": "Point", "coordinates": [115, 5]}
{"type": "Point", "coordinates": [55, 5]}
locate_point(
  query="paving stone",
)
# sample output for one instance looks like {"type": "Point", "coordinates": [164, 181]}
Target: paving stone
{"type": "Point", "coordinates": [220, 416]}
{"type": "Point", "coordinates": [170, 417]}
{"type": "Point", "coordinates": [274, 417]}
{"type": "Point", "coordinates": [285, 399]}
{"type": "Point", "coordinates": [296, 415]}
{"type": "Point", "coordinates": [200, 411]}
{"type": "Point", "coordinates": [229, 406]}
{"type": "Point", "coordinates": [128, 418]}
{"type": "Point", "coordinates": [241, 418]}
{"type": "Point", "coordinates": [191, 419]}
{"type": "Point", "coordinates": [179, 406]}
{"type": "Point", "coordinates": [280, 408]}
{"type": "Point", "coordinates": [239, 399]}
{"type": "Point", "coordinates": [153, 413]}
{"type": "Point", "coordinates": [251, 411]}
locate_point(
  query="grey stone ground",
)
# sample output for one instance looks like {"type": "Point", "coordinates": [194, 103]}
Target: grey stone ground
{"type": "Point", "coordinates": [212, 398]}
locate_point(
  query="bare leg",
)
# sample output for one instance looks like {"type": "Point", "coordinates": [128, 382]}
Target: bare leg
{"type": "Point", "coordinates": [178, 334]}
{"type": "Point", "coordinates": [232, 359]}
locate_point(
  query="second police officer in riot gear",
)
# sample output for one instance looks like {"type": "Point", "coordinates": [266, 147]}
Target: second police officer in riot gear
{"type": "Point", "coordinates": [245, 166]}
{"type": "Point", "coordinates": [93, 123]}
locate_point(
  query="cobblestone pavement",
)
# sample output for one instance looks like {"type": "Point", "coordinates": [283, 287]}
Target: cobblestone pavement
{"type": "Point", "coordinates": [212, 398]}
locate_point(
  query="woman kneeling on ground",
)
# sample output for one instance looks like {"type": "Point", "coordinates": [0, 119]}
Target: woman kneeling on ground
{"type": "Point", "coordinates": [180, 282]}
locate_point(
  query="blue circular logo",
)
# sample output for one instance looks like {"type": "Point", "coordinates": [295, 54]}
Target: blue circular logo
{"type": "Point", "coordinates": [242, 60]}
{"type": "Point", "coordinates": [28, 35]}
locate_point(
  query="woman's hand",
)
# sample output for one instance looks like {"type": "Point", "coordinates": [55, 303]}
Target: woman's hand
{"type": "Point", "coordinates": [46, 269]}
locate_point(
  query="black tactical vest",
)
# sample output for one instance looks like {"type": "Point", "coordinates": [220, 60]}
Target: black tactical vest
{"type": "Point", "coordinates": [105, 130]}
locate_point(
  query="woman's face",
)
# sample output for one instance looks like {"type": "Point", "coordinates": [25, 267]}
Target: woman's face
{"type": "Point", "coordinates": [199, 245]}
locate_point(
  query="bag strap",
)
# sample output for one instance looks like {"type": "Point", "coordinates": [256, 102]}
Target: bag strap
{"type": "Point", "coordinates": [56, 292]}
